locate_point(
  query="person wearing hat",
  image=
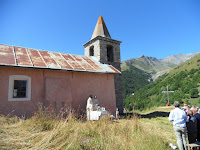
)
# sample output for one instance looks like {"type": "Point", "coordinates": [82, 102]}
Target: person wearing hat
{"type": "Point", "coordinates": [179, 119]}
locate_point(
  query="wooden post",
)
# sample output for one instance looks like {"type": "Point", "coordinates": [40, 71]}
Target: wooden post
{"type": "Point", "coordinates": [133, 102]}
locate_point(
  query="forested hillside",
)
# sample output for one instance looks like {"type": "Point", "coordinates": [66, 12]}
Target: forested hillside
{"type": "Point", "coordinates": [184, 80]}
{"type": "Point", "coordinates": [133, 79]}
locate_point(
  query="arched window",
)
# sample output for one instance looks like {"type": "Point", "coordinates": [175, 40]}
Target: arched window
{"type": "Point", "coordinates": [110, 53]}
{"type": "Point", "coordinates": [92, 51]}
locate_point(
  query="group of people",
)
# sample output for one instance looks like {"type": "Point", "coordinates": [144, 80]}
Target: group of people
{"type": "Point", "coordinates": [186, 122]}
{"type": "Point", "coordinates": [92, 103]}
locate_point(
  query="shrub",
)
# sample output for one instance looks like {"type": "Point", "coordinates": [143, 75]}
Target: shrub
{"type": "Point", "coordinates": [42, 120]}
{"type": "Point", "coordinates": [194, 93]}
{"type": "Point", "coordinates": [129, 102]}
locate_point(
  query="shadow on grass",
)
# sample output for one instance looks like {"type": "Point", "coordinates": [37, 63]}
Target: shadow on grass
{"type": "Point", "coordinates": [150, 115]}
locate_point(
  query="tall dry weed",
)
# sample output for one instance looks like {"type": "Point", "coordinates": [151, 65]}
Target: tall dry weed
{"type": "Point", "coordinates": [45, 130]}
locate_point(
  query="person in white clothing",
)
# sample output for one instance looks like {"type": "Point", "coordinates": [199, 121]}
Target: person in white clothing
{"type": "Point", "coordinates": [89, 107]}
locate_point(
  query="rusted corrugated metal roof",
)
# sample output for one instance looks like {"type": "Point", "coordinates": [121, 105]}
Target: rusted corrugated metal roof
{"type": "Point", "coordinates": [25, 57]}
{"type": "Point", "coordinates": [7, 55]}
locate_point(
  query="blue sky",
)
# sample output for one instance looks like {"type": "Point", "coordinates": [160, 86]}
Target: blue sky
{"type": "Point", "coordinates": [157, 28]}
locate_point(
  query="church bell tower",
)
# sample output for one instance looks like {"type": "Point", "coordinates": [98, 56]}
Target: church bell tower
{"type": "Point", "coordinates": [106, 50]}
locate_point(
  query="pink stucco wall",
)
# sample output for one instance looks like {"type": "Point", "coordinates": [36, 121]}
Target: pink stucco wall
{"type": "Point", "coordinates": [57, 88]}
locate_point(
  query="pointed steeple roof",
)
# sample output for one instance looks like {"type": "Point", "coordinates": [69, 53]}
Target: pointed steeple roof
{"type": "Point", "coordinates": [100, 29]}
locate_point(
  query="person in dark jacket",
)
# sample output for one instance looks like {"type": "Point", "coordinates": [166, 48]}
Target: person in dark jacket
{"type": "Point", "coordinates": [191, 127]}
{"type": "Point", "coordinates": [197, 116]}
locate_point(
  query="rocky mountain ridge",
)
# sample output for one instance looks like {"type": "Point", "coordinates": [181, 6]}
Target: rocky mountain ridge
{"type": "Point", "coordinates": [154, 66]}
{"type": "Point", "coordinates": [178, 59]}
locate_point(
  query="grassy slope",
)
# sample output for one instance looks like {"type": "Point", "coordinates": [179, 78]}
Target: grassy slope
{"type": "Point", "coordinates": [139, 134]}
{"type": "Point", "coordinates": [159, 125]}
{"type": "Point", "coordinates": [153, 88]}
{"type": "Point", "coordinates": [192, 63]}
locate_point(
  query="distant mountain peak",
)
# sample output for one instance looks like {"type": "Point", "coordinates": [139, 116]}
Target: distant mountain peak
{"type": "Point", "coordinates": [142, 56]}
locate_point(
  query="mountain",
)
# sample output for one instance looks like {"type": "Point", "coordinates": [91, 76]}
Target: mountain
{"type": "Point", "coordinates": [133, 79]}
{"type": "Point", "coordinates": [149, 64]}
{"type": "Point", "coordinates": [183, 79]}
{"type": "Point", "coordinates": [178, 59]}
{"type": "Point", "coordinates": [154, 66]}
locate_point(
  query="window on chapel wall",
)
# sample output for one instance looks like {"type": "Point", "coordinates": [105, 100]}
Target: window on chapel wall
{"type": "Point", "coordinates": [19, 88]}
{"type": "Point", "coordinates": [110, 55]}
{"type": "Point", "coordinates": [91, 51]}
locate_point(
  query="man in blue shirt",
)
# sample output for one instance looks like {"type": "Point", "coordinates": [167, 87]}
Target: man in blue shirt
{"type": "Point", "coordinates": [179, 118]}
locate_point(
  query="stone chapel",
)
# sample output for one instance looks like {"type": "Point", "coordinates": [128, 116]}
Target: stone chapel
{"type": "Point", "coordinates": [59, 80]}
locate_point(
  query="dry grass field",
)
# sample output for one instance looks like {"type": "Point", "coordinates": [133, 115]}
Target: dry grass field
{"type": "Point", "coordinates": [44, 131]}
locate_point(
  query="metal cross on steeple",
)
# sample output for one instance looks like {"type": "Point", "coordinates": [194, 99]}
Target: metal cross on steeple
{"type": "Point", "coordinates": [167, 93]}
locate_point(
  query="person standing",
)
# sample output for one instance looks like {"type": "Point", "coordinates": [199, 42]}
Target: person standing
{"type": "Point", "coordinates": [185, 108]}
{"type": "Point", "coordinates": [197, 116]}
{"type": "Point", "coordinates": [89, 107]}
{"type": "Point", "coordinates": [198, 111]}
{"type": "Point", "coordinates": [95, 103]}
{"type": "Point", "coordinates": [179, 118]}
{"type": "Point", "coordinates": [117, 114]}
{"type": "Point", "coordinates": [191, 127]}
